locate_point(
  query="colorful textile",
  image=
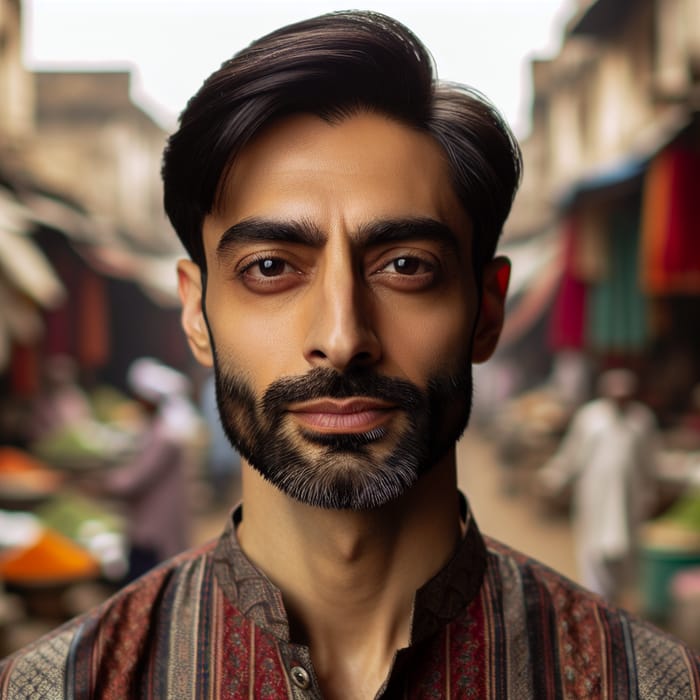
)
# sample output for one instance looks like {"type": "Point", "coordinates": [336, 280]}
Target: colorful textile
{"type": "Point", "coordinates": [491, 624]}
{"type": "Point", "coordinates": [617, 313]}
{"type": "Point", "coordinates": [93, 325]}
{"type": "Point", "coordinates": [600, 304]}
{"type": "Point", "coordinates": [590, 254]}
{"type": "Point", "coordinates": [567, 323]}
{"type": "Point", "coordinates": [671, 224]}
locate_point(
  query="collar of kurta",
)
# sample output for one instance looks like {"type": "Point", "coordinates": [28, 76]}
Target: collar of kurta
{"type": "Point", "coordinates": [437, 602]}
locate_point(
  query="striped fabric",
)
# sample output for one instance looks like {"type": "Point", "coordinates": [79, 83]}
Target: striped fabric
{"type": "Point", "coordinates": [493, 624]}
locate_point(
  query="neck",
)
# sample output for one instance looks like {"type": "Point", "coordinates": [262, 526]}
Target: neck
{"type": "Point", "coordinates": [348, 578]}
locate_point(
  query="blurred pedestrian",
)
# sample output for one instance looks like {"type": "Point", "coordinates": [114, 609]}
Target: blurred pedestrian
{"type": "Point", "coordinates": [607, 460]}
{"type": "Point", "coordinates": [152, 485]}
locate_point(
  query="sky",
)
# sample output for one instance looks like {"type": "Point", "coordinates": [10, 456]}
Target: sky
{"type": "Point", "coordinates": [173, 45]}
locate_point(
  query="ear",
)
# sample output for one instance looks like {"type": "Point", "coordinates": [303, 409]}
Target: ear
{"type": "Point", "coordinates": [493, 298]}
{"type": "Point", "coordinates": [189, 287]}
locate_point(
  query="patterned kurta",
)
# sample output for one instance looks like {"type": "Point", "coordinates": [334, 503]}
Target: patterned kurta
{"type": "Point", "coordinates": [492, 624]}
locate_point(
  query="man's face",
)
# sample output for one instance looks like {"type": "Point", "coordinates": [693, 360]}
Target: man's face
{"type": "Point", "coordinates": [341, 307]}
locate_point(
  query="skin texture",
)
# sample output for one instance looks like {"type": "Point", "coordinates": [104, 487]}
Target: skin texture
{"type": "Point", "coordinates": [341, 249]}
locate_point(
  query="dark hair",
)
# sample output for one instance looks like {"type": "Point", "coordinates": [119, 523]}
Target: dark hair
{"type": "Point", "coordinates": [332, 66]}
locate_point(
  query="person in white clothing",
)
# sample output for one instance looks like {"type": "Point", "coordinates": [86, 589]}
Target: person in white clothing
{"type": "Point", "coordinates": [607, 460]}
{"type": "Point", "coordinates": [152, 484]}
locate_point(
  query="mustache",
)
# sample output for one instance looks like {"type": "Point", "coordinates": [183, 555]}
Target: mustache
{"type": "Point", "coordinates": [322, 382]}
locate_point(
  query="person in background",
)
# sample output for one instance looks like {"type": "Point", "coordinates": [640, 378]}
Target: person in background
{"type": "Point", "coordinates": [607, 460]}
{"type": "Point", "coordinates": [341, 209]}
{"type": "Point", "coordinates": [152, 485]}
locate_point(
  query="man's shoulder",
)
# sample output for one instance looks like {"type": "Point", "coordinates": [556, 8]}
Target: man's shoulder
{"type": "Point", "coordinates": [589, 638]}
{"type": "Point", "coordinates": [118, 628]}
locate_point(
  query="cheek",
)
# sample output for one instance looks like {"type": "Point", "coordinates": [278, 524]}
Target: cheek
{"type": "Point", "coordinates": [259, 344]}
{"type": "Point", "coordinates": [430, 341]}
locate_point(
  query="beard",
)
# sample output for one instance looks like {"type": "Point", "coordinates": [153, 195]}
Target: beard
{"type": "Point", "coordinates": [358, 471]}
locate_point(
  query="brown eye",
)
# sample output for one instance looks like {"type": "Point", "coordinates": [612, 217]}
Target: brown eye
{"type": "Point", "coordinates": [267, 267]}
{"type": "Point", "coordinates": [268, 274]}
{"type": "Point", "coordinates": [407, 272]}
{"type": "Point", "coordinates": [271, 267]}
{"type": "Point", "coordinates": [407, 266]}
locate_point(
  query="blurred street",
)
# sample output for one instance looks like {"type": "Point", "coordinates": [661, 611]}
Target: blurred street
{"type": "Point", "coordinates": [511, 518]}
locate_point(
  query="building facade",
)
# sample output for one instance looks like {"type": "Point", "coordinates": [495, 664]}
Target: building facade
{"type": "Point", "coordinates": [612, 166]}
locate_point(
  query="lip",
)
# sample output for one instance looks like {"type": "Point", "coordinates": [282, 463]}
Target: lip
{"type": "Point", "coordinates": [356, 415]}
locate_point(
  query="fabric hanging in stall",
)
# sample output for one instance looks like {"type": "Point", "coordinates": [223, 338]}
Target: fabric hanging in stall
{"type": "Point", "coordinates": [617, 312]}
{"type": "Point", "coordinates": [25, 370]}
{"type": "Point", "coordinates": [566, 330]}
{"type": "Point", "coordinates": [59, 331]}
{"type": "Point", "coordinates": [589, 260]}
{"type": "Point", "coordinates": [670, 252]}
{"type": "Point", "coordinates": [60, 321]}
{"type": "Point", "coordinates": [93, 327]}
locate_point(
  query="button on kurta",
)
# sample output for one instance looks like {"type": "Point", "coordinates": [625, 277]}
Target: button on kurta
{"type": "Point", "coordinates": [301, 677]}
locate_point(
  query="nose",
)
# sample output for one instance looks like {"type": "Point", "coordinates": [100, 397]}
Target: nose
{"type": "Point", "coordinates": [341, 333]}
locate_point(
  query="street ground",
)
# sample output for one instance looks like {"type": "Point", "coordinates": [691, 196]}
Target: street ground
{"type": "Point", "coordinates": [512, 518]}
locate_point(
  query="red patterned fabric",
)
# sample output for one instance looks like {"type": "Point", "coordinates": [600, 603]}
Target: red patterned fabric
{"type": "Point", "coordinates": [492, 625]}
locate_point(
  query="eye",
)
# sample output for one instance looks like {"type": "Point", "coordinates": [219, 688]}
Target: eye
{"type": "Point", "coordinates": [407, 266]}
{"type": "Point", "coordinates": [268, 267]}
{"type": "Point", "coordinates": [268, 273]}
{"type": "Point", "coordinates": [408, 271]}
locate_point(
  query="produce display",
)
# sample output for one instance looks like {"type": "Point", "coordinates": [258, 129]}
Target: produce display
{"type": "Point", "coordinates": [685, 512]}
{"type": "Point", "coordinates": [51, 559]}
{"type": "Point", "coordinates": [72, 515]}
{"type": "Point", "coordinates": [22, 477]}
{"type": "Point", "coordinates": [67, 536]}
{"type": "Point", "coordinates": [678, 528]}
{"type": "Point", "coordinates": [111, 407]}
{"type": "Point", "coordinates": [83, 446]}
{"type": "Point", "coordinates": [55, 531]}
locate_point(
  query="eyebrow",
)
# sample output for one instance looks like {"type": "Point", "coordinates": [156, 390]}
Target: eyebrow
{"type": "Point", "coordinates": [257, 230]}
{"type": "Point", "coordinates": [374, 233]}
{"type": "Point", "coordinates": [409, 229]}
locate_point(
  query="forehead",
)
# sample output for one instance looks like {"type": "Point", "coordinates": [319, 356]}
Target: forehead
{"type": "Point", "coordinates": [343, 174]}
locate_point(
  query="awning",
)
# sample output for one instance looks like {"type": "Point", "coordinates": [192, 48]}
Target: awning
{"type": "Point", "coordinates": [613, 175]}
{"type": "Point", "coordinates": [620, 172]}
{"type": "Point", "coordinates": [77, 225]}
{"type": "Point", "coordinates": [155, 275]}
{"type": "Point", "coordinates": [104, 249]}
{"type": "Point", "coordinates": [27, 280]}
{"type": "Point", "coordinates": [20, 321]}
{"type": "Point", "coordinates": [536, 271]}
{"type": "Point", "coordinates": [22, 264]}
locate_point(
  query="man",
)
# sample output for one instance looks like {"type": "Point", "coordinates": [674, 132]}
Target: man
{"type": "Point", "coordinates": [607, 460]}
{"type": "Point", "coordinates": [341, 211]}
